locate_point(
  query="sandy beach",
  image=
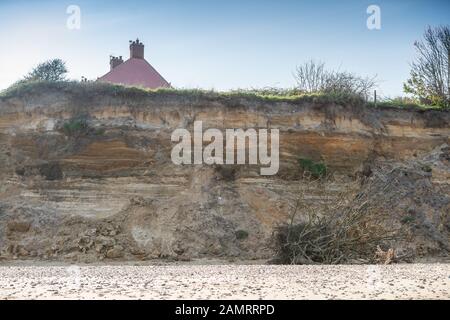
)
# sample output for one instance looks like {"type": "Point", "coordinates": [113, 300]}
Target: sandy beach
{"type": "Point", "coordinates": [405, 281]}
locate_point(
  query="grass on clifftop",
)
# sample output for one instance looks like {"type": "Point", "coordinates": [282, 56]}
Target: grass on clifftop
{"type": "Point", "coordinates": [404, 104]}
{"type": "Point", "coordinates": [85, 90]}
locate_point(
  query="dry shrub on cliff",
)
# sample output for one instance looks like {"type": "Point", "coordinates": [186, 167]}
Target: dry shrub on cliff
{"type": "Point", "coordinates": [313, 77]}
{"type": "Point", "coordinates": [341, 233]}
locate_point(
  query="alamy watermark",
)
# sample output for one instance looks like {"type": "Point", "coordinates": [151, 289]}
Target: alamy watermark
{"type": "Point", "coordinates": [73, 277]}
{"type": "Point", "coordinates": [374, 20]}
{"type": "Point", "coordinates": [190, 148]}
{"type": "Point", "coordinates": [74, 20]}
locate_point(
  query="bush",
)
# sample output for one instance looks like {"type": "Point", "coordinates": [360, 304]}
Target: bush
{"type": "Point", "coordinates": [99, 131]}
{"type": "Point", "coordinates": [51, 70]}
{"type": "Point", "coordinates": [316, 170]}
{"type": "Point", "coordinates": [408, 219]}
{"type": "Point", "coordinates": [241, 234]}
{"type": "Point", "coordinates": [51, 171]}
{"type": "Point", "coordinates": [331, 239]}
{"type": "Point", "coordinates": [75, 127]}
{"type": "Point", "coordinates": [312, 77]}
{"type": "Point", "coordinates": [340, 233]}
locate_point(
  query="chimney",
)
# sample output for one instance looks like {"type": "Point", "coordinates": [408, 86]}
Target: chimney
{"type": "Point", "coordinates": [136, 49]}
{"type": "Point", "coordinates": [115, 61]}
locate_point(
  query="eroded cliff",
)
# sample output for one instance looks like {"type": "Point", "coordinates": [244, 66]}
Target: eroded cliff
{"type": "Point", "coordinates": [87, 176]}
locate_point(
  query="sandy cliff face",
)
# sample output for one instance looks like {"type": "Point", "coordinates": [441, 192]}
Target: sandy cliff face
{"type": "Point", "coordinates": [89, 179]}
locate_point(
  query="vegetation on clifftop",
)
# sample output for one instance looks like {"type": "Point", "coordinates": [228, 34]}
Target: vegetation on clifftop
{"type": "Point", "coordinates": [50, 70]}
{"type": "Point", "coordinates": [86, 90]}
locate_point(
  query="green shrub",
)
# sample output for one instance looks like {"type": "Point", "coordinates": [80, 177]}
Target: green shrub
{"type": "Point", "coordinates": [99, 131]}
{"type": "Point", "coordinates": [75, 127]}
{"type": "Point", "coordinates": [317, 170]}
{"type": "Point", "coordinates": [241, 234]}
{"type": "Point", "coordinates": [51, 70]}
{"type": "Point", "coordinates": [408, 219]}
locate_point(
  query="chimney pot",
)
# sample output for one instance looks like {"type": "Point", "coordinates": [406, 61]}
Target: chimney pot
{"type": "Point", "coordinates": [115, 61]}
{"type": "Point", "coordinates": [136, 49]}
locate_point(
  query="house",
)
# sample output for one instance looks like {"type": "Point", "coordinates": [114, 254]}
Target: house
{"type": "Point", "coordinates": [136, 71]}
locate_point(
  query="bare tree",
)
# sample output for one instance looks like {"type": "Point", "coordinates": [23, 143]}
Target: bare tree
{"type": "Point", "coordinates": [312, 77]}
{"type": "Point", "coordinates": [430, 80]}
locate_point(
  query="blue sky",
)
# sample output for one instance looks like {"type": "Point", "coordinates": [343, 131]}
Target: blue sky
{"type": "Point", "coordinates": [219, 44]}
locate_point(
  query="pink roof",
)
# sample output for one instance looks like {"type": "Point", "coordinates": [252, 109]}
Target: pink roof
{"type": "Point", "coordinates": [135, 72]}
